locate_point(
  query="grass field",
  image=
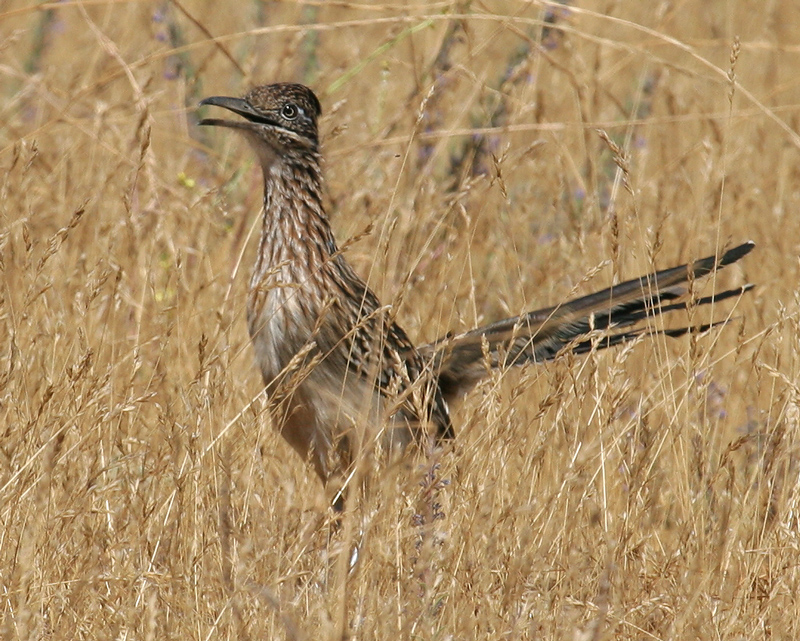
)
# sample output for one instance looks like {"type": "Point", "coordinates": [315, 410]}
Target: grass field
{"type": "Point", "coordinates": [483, 158]}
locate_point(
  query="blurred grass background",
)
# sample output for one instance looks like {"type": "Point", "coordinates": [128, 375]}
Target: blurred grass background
{"type": "Point", "coordinates": [649, 492]}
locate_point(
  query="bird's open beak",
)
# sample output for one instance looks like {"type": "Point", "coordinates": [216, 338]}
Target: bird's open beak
{"type": "Point", "coordinates": [236, 105]}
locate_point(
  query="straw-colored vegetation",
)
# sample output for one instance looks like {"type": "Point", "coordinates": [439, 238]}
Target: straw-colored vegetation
{"type": "Point", "coordinates": [648, 492]}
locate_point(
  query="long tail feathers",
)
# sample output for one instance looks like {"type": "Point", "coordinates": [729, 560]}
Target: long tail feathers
{"type": "Point", "coordinates": [541, 335]}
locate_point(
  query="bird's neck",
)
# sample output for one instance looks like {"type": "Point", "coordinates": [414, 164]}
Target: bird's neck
{"type": "Point", "coordinates": [296, 233]}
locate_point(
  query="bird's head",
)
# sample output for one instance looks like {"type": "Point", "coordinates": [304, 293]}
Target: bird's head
{"type": "Point", "coordinates": [280, 120]}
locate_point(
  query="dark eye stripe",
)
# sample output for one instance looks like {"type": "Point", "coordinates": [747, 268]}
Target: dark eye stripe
{"type": "Point", "coordinates": [264, 120]}
{"type": "Point", "coordinates": [280, 121]}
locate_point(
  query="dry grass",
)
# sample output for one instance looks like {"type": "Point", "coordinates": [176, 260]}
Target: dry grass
{"type": "Point", "coordinates": [646, 493]}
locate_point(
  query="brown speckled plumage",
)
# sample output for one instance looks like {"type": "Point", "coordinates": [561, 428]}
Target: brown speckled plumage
{"type": "Point", "coordinates": [341, 375]}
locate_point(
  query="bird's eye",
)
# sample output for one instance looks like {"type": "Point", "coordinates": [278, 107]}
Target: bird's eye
{"type": "Point", "coordinates": [289, 111]}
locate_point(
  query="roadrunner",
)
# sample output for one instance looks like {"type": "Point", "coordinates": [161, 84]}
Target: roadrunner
{"type": "Point", "coordinates": [343, 378]}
